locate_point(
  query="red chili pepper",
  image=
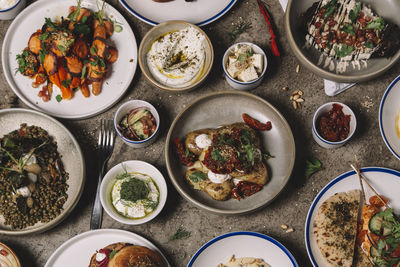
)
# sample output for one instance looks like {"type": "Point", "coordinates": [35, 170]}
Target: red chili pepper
{"type": "Point", "coordinates": [184, 157]}
{"type": "Point", "coordinates": [264, 11]}
{"type": "Point", "coordinates": [255, 124]}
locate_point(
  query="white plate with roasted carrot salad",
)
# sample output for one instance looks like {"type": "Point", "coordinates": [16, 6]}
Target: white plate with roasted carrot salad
{"type": "Point", "coordinates": [64, 57]}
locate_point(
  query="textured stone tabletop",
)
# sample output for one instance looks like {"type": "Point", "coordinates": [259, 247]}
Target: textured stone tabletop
{"type": "Point", "coordinates": [289, 208]}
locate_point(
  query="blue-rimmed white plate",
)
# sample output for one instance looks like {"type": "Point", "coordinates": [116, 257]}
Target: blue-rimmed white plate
{"type": "Point", "coordinates": [243, 244]}
{"type": "Point", "coordinates": [389, 117]}
{"type": "Point", "coordinates": [199, 12]}
{"type": "Point", "coordinates": [385, 181]}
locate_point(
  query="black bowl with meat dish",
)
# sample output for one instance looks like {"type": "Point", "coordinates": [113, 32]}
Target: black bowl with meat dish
{"type": "Point", "coordinates": [345, 40]}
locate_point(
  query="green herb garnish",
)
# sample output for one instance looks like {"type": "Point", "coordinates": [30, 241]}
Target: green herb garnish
{"type": "Point", "coordinates": [43, 36]}
{"type": "Point", "coordinates": [41, 56]}
{"type": "Point", "coordinates": [83, 72]}
{"type": "Point", "coordinates": [369, 45]}
{"type": "Point", "coordinates": [74, 15]}
{"type": "Point", "coordinates": [181, 234]}
{"type": "Point", "coordinates": [58, 98]}
{"type": "Point", "coordinates": [197, 176]}
{"type": "Point", "coordinates": [134, 189]}
{"type": "Point", "coordinates": [216, 155]}
{"type": "Point", "coordinates": [240, 58]}
{"type": "Point", "coordinates": [348, 28]}
{"type": "Point", "coordinates": [312, 166]}
{"type": "Point", "coordinates": [81, 28]}
{"type": "Point", "coordinates": [267, 156]}
{"type": "Point", "coordinates": [377, 24]}
{"type": "Point", "coordinates": [66, 83]}
{"type": "Point", "coordinates": [240, 28]}
{"type": "Point", "coordinates": [344, 51]}
{"type": "Point", "coordinates": [112, 254]}
{"type": "Point", "coordinates": [353, 15]}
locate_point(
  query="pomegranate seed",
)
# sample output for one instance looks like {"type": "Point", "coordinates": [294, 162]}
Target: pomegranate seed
{"type": "Point", "coordinates": [318, 24]}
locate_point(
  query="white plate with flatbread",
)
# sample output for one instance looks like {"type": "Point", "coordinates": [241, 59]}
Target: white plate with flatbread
{"type": "Point", "coordinates": [79, 107]}
{"type": "Point", "coordinates": [385, 181]}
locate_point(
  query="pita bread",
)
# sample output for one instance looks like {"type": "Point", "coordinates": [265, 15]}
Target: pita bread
{"type": "Point", "coordinates": [335, 228]}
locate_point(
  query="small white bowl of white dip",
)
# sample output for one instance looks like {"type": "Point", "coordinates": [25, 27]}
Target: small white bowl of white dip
{"type": "Point", "coordinates": [176, 56]}
{"type": "Point", "coordinates": [9, 9]}
{"type": "Point", "coordinates": [133, 192]}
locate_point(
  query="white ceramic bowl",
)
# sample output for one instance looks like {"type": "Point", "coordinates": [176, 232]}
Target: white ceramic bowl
{"type": "Point", "coordinates": [325, 108]}
{"type": "Point", "coordinates": [236, 84]}
{"type": "Point", "coordinates": [125, 109]}
{"type": "Point", "coordinates": [13, 11]}
{"type": "Point", "coordinates": [132, 166]}
{"type": "Point", "coordinates": [162, 29]}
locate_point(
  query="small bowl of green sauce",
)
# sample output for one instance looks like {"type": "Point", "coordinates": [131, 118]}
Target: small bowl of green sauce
{"type": "Point", "coordinates": [133, 192]}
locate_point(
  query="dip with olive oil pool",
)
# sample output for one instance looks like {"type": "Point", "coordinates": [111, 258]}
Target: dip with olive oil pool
{"type": "Point", "coordinates": [135, 195]}
{"type": "Point", "coordinates": [177, 58]}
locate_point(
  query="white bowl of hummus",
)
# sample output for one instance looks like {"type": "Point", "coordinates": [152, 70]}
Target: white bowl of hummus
{"type": "Point", "coordinates": [176, 56]}
{"type": "Point", "coordinates": [133, 192]}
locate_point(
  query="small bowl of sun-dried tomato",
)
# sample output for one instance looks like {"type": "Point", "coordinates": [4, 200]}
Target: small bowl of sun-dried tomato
{"type": "Point", "coordinates": [334, 124]}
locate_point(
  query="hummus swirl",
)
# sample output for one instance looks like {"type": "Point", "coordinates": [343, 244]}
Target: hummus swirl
{"type": "Point", "coordinates": [177, 58]}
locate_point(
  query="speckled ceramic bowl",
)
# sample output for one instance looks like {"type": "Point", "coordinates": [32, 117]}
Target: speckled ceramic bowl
{"type": "Point", "coordinates": [72, 158]}
{"type": "Point", "coordinates": [311, 57]}
{"type": "Point", "coordinates": [162, 29]}
{"type": "Point", "coordinates": [226, 107]}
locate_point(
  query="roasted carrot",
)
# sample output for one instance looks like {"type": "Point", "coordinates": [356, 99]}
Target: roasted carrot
{"type": "Point", "coordinates": [75, 82]}
{"type": "Point", "coordinates": [100, 32]}
{"type": "Point", "coordinates": [85, 90]}
{"type": "Point", "coordinates": [55, 79]}
{"type": "Point", "coordinates": [109, 27]}
{"type": "Point", "coordinates": [80, 49]}
{"type": "Point", "coordinates": [34, 44]}
{"type": "Point", "coordinates": [50, 63]}
{"type": "Point", "coordinates": [112, 55]}
{"type": "Point", "coordinates": [40, 76]}
{"type": "Point", "coordinates": [74, 65]}
{"type": "Point", "coordinates": [96, 87]}
{"type": "Point", "coordinates": [99, 48]}
{"type": "Point", "coordinates": [66, 92]}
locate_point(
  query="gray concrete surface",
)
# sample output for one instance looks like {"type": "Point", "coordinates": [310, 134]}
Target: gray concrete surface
{"type": "Point", "coordinates": [293, 203]}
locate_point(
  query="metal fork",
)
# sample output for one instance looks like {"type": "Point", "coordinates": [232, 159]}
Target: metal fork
{"type": "Point", "coordinates": [105, 149]}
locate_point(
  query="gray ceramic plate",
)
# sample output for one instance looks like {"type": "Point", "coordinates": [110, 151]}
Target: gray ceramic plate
{"type": "Point", "coordinates": [309, 57]}
{"type": "Point", "coordinates": [72, 158]}
{"type": "Point", "coordinates": [226, 107]}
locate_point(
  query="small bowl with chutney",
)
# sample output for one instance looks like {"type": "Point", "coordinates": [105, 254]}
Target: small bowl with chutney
{"type": "Point", "coordinates": [334, 123]}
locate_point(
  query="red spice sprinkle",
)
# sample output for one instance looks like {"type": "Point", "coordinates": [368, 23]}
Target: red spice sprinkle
{"type": "Point", "coordinates": [334, 125]}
